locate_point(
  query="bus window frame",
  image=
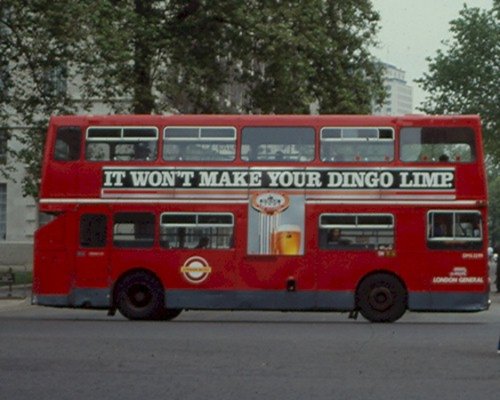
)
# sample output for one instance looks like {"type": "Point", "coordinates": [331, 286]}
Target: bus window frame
{"type": "Point", "coordinates": [78, 140]}
{"type": "Point", "coordinates": [199, 139]}
{"type": "Point", "coordinates": [324, 229]}
{"type": "Point", "coordinates": [93, 230]}
{"type": "Point", "coordinates": [302, 159]}
{"type": "Point", "coordinates": [352, 141]}
{"type": "Point", "coordinates": [196, 225]}
{"type": "Point", "coordinates": [133, 217]}
{"type": "Point", "coordinates": [122, 139]}
{"type": "Point", "coordinates": [444, 157]}
{"type": "Point", "coordinates": [453, 242]}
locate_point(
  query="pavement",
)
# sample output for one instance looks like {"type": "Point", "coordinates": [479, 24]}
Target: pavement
{"type": "Point", "coordinates": [8, 304]}
{"type": "Point", "coordinates": [15, 296]}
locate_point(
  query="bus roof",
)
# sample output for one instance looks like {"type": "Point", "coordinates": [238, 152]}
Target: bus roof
{"type": "Point", "coordinates": [238, 119]}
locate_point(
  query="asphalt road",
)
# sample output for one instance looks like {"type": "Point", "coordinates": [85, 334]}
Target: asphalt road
{"type": "Point", "coordinates": [76, 354]}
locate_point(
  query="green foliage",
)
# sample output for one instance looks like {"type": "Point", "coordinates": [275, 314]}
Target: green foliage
{"type": "Point", "coordinates": [465, 79]}
{"type": "Point", "coordinates": [187, 56]}
{"type": "Point", "coordinates": [36, 45]}
{"type": "Point", "coordinates": [466, 76]}
{"type": "Point", "coordinates": [494, 208]}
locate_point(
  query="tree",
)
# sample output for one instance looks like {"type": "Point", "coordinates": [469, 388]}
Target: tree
{"type": "Point", "coordinates": [36, 45]}
{"type": "Point", "coordinates": [494, 209]}
{"type": "Point", "coordinates": [465, 77]}
{"type": "Point", "coordinates": [195, 56]}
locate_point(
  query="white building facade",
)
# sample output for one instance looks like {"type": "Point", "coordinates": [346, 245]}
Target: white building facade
{"type": "Point", "coordinates": [399, 99]}
{"type": "Point", "coordinates": [18, 214]}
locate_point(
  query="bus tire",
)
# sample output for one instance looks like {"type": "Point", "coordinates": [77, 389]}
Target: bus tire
{"type": "Point", "coordinates": [170, 313]}
{"type": "Point", "coordinates": [140, 296]}
{"type": "Point", "coordinates": [381, 298]}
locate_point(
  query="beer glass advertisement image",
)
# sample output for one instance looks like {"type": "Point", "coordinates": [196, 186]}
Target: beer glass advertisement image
{"type": "Point", "coordinates": [276, 224]}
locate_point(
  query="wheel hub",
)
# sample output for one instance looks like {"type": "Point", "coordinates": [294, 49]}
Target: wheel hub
{"type": "Point", "coordinates": [139, 296]}
{"type": "Point", "coordinates": [381, 298]}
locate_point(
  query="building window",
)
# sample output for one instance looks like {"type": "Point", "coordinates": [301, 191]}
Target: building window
{"type": "Point", "coordinates": [5, 77]}
{"type": "Point", "coordinates": [356, 231]}
{"type": "Point", "coordinates": [3, 145]}
{"type": "Point", "coordinates": [3, 211]}
{"type": "Point", "coordinates": [55, 82]}
{"type": "Point", "coordinates": [197, 230]}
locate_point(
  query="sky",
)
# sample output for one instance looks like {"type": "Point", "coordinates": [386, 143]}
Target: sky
{"type": "Point", "coordinates": [412, 30]}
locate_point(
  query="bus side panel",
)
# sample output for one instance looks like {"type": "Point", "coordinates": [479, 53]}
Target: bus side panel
{"type": "Point", "coordinates": [52, 269]}
{"type": "Point", "coordinates": [450, 279]}
{"type": "Point", "coordinates": [342, 270]}
{"type": "Point", "coordinates": [457, 281]}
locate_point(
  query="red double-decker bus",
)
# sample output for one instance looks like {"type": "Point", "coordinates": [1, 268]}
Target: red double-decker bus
{"type": "Point", "coordinates": [153, 215]}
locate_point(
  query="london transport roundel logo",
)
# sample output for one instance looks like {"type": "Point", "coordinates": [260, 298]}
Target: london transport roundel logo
{"type": "Point", "coordinates": [196, 269]}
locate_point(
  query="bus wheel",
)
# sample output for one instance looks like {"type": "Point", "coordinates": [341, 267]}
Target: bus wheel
{"type": "Point", "coordinates": [381, 298]}
{"type": "Point", "coordinates": [140, 296]}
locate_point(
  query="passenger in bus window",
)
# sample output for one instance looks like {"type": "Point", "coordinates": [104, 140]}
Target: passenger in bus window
{"type": "Point", "coordinates": [181, 237]}
{"type": "Point", "coordinates": [422, 157]}
{"type": "Point", "coordinates": [142, 152]}
{"type": "Point", "coordinates": [441, 227]}
{"type": "Point", "coordinates": [476, 232]}
{"type": "Point", "coordinates": [329, 153]}
{"type": "Point", "coordinates": [172, 152]}
{"type": "Point", "coordinates": [202, 243]}
{"type": "Point", "coordinates": [253, 153]}
{"type": "Point", "coordinates": [306, 153]}
{"type": "Point", "coordinates": [333, 235]}
{"type": "Point", "coordinates": [334, 238]}
{"type": "Point", "coordinates": [444, 158]}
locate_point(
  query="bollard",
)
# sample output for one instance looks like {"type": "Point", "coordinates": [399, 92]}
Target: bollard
{"type": "Point", "coordinates": [9, 278]}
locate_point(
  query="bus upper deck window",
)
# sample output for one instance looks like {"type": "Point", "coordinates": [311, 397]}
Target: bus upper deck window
{"type": "Point", "coordinates": [130, 143]}
{"type": "Point", "coordinates": [199, 143]}
{"type": "Point", "coordinates": [437, 144]}
{"type": "Point", "coordinates": [351, 144]}
{"type": "Point", "coordinates": [281, 143]}
{"type": "Point", "coordinates": [68, 143]}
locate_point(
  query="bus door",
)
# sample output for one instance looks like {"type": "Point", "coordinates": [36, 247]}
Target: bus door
{"type": "Point", "coordinates": [276, 243]}
{"type": "Point", "coordinates": [91, 255]}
